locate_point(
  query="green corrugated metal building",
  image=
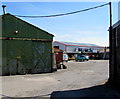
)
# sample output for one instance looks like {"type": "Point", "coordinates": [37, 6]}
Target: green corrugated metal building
{"type": "Point", "coordinates": [25, 48]}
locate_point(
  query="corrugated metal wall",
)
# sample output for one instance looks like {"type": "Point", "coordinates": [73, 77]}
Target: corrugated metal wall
{"type": "Point", "coordinates": [114, 78]}
{"type": "Point", "coordinates": [118, 53]}
{"type": "Point", "coordinates": [28, 51]}
{"type": "Point", "coordinates": [61, 46]}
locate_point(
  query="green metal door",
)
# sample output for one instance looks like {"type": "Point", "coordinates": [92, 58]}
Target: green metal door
{"type": "Point", "coordinates": [41, 56]}
{"type": "Point", "coordinates": [19, 56]}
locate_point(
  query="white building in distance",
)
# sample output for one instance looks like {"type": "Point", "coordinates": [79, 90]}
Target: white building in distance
{"type": "Point", "coordinates": [71, 47]}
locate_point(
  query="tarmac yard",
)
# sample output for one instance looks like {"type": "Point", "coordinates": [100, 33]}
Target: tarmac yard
{"type": "Point", "coordinates": [79, 76]}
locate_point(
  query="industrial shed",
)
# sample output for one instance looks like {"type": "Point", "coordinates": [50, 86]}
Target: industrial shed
{"type": "Point", "coordinates": [115, 55]}
{"type": "Point", "coordinates": [25, 48]}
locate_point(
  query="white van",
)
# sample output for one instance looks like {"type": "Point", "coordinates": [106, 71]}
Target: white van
{"type": "Point", "coordinates": [65, 57]}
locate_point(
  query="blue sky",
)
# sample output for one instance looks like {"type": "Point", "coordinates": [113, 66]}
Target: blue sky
{"type": "Point", "coordinates": [86, 27]}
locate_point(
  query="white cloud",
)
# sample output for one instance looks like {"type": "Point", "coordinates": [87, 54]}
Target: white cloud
{"type": "Point", "coordinates": [87, 32]}
{"type": "Point", "coordinates": [88, 37]}
{"type": "Point", "coordinates": [63, 37]}
{"type": "Point", "coordinates": [98, 40]}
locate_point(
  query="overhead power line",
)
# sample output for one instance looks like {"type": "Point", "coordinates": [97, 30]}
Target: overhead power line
{"type": "Point", "coordinates": [56, 15]}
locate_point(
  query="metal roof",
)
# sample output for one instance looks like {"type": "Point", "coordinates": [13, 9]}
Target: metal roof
{"type": "Point", "coordinates": [84, 44]}
{"type": "Point", "coordinates": [28, 23]}
{"type": "Point", "coordinates": [116, 24]}
{"type": "Point", "coordinates": [78, 44]}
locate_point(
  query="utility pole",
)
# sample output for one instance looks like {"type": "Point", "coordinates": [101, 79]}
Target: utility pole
{"type": "Point", "coordinates": [112, 46]}
{"type": "Point", "coordinates": [4, 12]}
{"type": "Point", "coordinates": [110, 14]}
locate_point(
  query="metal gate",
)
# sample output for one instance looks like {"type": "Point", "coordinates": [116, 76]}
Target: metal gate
{"type": "Point", "coordinates": [42, 59]}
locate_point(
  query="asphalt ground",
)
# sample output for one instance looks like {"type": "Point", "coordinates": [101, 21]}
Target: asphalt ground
{"type": "Point", "coordinates": [80, 79]}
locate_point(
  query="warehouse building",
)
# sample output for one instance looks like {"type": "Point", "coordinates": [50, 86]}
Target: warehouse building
{"type": "Point", "coordinates": [25, 48]}
{"type": "Point", "coordinates": [72, 48]}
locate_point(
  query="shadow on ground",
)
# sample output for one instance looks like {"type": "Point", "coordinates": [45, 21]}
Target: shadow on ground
{"type": "Point", "coordinates": [101, 91]}
{"type": "Point", "coordinates": [95, 92]}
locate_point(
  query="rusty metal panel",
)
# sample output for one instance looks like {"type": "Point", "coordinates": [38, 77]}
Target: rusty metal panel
{"type": "Point", "coordinates": [59, 56]}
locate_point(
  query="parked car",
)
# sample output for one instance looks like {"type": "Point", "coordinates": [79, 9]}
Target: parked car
{"type": "Point", "coordinates": [82, 58]}
{"type": "Point", "coordinates": [71, 58]}
{"type": "Point", "coordinates": [87, 57]}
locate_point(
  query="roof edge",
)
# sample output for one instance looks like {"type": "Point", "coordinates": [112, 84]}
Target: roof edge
{"type": "Point", "coordinates": [28, 23]}
{"type": "Point", "coordinates": [116, 24]}
{"type": "Point", "coordinates": [78, 45]}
